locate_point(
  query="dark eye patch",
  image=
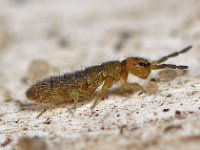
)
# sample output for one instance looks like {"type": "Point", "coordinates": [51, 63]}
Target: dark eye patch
{"type": "Point", "coordinates": [143, 64]}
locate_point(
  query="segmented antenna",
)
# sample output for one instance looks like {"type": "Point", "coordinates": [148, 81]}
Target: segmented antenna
{"type": "Point", "coordinates": [170, 66]}
{"type": "Point", "coordinates": [172, 55]}
{"type": "Point", "coordinates": [156, 64]}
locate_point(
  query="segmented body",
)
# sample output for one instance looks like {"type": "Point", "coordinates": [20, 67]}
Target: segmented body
{"type": "Point", "coordinates": [81, 83]}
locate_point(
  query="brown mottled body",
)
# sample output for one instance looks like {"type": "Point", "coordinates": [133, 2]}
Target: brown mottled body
{"type": "Point", "coordinates": [81, 84]}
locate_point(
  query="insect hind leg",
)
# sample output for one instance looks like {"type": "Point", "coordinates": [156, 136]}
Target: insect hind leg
{"type": "Point", "coordinates": [75, 96]}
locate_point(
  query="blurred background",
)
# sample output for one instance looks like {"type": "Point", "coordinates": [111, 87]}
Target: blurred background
{"type": "Point", "coordinates": [39, 38]}
{"type": "Point", "coordinates": [70, 34]}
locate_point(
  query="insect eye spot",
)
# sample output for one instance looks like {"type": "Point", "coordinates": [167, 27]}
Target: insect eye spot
{"type": "Point", "coordinates": [142, 64]}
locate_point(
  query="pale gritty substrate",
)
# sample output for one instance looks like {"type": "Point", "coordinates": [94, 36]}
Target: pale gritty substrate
{"type": "Point", "coordinates": [74, 34]}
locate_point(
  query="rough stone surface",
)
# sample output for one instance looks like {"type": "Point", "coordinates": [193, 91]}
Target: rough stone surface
{"type": "Point", "coordinates": [73, 34]}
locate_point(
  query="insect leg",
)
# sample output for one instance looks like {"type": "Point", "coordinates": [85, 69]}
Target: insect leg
{"type": "Point", "coordinates": [107, 84]}
{"type": "Point", "coordinates": [135, 87]}
{"type": "Point", "coordinates": [131, 86]}
{"type": "Point", "coordinates": [86, 93]}
{"type": "Point", "coordinates": [75, 96]}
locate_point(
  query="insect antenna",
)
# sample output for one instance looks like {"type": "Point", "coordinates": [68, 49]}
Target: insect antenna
{"type": "Point", "coordinates": [170, 66]}
{"type": "Point", "coordinates": [172, 55]}
{"type": "Point", "coordinates": [156, 64]}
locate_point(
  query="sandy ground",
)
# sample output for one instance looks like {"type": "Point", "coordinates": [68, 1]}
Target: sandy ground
{"type": "Point", "coordinates": [42, 38]}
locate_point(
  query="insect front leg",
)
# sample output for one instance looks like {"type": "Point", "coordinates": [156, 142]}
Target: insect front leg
{"type": "Point", "coordinates": [131, 86]}
{"type": "Point", "coordinates": [107, 84]}
{"type": "Point", "coordinates": [134, 86]}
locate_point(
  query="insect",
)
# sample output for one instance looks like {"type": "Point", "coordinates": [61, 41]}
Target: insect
{"type": "Point", "coordinates": [72, 87]}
